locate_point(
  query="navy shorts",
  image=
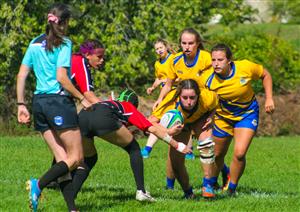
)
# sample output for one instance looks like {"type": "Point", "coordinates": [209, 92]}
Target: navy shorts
{"type": "Point", "coordinates": [52, 111]}
{"type": "Point", "coordinates": [99, 121]}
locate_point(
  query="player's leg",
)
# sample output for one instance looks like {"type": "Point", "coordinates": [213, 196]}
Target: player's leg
{"type": "Point", "coordinates": [83, 170]}
{"type": "Point", "coordinates": [205, 145]}
{"type": "Point", "coordinates": [170, 179]}
{"type": "Point", "coordinates": [152, 139]}
{"type": "Point", "coordinates": [243, 138]}
{"type": "Point", "coordinates": [123, 138]}
{"type": "Point", "coordinates": [178, 166]}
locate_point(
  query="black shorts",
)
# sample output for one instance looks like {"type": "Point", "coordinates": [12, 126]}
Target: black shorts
{"type": "Point", "coordinates": [52, 111]}
{"type": "Point", "coordinates": [99, 121]}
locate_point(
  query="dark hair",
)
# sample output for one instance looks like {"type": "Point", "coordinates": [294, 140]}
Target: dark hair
{"type": "Point", "coordinates": [223, 47]}
{"type": "Point", "coordinates": [129, 96]}
{"type": "Point", "coordinates": [89, 45]}
{"type": "Point", "coordinates": [55, 30]}
{"type": "Point", "coordinates": [170, 49]}
{"type": "Point", "coordinates": [186, 84]}
{"type": "Point", "coordinates": [192, 31]}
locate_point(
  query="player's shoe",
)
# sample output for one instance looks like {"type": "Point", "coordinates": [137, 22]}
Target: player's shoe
{"type": "Point", "coordinates": [144, 197]}
{"type": "Point", "coordinates": [208, 192]}
{"type": "Point", "coordinates": [189, 196]}
{"type": "Point", "coordinates": [34, 193]}
{"type": "Point", "coordinates": [190, 156]}
{"type": "Point", "coordinates": [145, 153]}
{"type": "Point", "coordinates": [229, 192]}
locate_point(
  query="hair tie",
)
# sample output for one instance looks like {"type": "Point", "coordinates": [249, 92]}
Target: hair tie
{"type": "Point", "coordinates": [52, 18]}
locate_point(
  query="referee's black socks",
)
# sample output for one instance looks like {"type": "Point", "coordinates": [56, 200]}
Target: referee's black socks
{"type": "Point", "coordinates": [136, 162]}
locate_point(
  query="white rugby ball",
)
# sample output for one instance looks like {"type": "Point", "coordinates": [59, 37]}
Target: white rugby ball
{"type": "Point", "coordinates": [171, 118]}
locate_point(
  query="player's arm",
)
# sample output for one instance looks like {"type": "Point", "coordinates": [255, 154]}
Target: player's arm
{"type": "Point", "coordinates": [23, 113]}
{"type": "Point", "coordinates": [162, 133]}
{"type": "Point", "coordinates": [166, 89]}
{"type": "Point", "coordinates": [267, 83]}
{"type": "Point", "coordinates": [154, 85]}
{"type": "Point", "coordinates": [63, 79]}
{"type": "Point", "coordinates": [91, 97]}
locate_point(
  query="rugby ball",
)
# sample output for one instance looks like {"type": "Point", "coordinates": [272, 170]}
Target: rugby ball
{"type": "Point", "coordinates": [171, 118]}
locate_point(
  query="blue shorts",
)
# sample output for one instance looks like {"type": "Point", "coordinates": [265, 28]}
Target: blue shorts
{"type": "Point", "coordinates": [53, 111]}
{"type": "Point", "coordinates": [223, 128]}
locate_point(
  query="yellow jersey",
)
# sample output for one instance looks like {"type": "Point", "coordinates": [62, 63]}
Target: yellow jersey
{"type": "Point", "coordinates": [162, 67]}
{"type": "Point", "coordinates": [236, 96]}
{"type": "Point", "coordinates": [207, 102]}
{"type": "Point", "coordinates": [196, 70]}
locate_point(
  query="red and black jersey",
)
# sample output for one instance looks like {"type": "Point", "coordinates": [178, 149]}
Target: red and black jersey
{"type": "Point", "coordinates": [128, 114]}
{"type": "Point", "coordinates": [81, 74]}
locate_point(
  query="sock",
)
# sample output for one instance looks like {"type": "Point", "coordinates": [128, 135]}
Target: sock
{"type": "Point", "coordinates": [148, 149]}
{"type": "Point", "coordinates": [136, 162]}
{"type": "Point", "coordinates": [213, 181]}
{"type": "Point", "coordinates": [79, 177]}
{"type": "Point", "coordinates": [232, 186]}
{"type": "Point", "coordinates": [66, 188]}
{"type": "Point", "coordinates": [170, 183]}
{"type": "Point", "coordinates": [53, 173]}
{"type": "Point", "coordinates": [82, 172]}
{"type": "Point", "coordinates": [225, 169]}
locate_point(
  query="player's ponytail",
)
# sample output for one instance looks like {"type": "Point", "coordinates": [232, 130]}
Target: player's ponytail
{"type": "Point", "coordinates": [57, 17]}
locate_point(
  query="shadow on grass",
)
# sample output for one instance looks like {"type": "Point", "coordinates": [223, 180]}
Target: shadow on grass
{"type": "Point", "coordinates": [258, 192]}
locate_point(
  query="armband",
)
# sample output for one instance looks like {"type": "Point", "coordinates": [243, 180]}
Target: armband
{"type": "Point", "coordinates": [167, 138]}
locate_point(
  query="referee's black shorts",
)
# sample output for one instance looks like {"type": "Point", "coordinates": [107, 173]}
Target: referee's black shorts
{"type": "Point", "coordinates": [53, 111]}
{"type": "Point", "coordinates": [99, 121]}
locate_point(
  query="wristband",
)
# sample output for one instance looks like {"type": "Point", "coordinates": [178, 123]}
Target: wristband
{"type": "Point", "coordinates": [167, 138]}
{"type": "Point", "coordinates": [21, 103]}
{"type": "Point", "coordinates": [180, 147]}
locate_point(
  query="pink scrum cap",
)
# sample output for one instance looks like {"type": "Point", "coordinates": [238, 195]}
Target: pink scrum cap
{"type": "Point", "coordinates": [52, 18]}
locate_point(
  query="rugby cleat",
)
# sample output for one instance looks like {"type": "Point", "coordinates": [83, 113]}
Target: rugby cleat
{"type": "Point", "coordinates": [190, 156]}
{"type": "Point", "coordinates": [208, 192]}
{"type": "Point", "coordinates": [34, 193]}
{"type": "Point", "coordinates": [145, 153]}
{"type": "Point", "coordinates": [144, 197]}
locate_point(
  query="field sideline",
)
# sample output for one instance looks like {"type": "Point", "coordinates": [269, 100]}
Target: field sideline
{"type": "Point", "coordinates": [271, 181]}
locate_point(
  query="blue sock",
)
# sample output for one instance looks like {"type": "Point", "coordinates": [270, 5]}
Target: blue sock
{"type": "Point", "coordinates": [209, 181]}
{"type": "Point", "coordinates": [225, 168]}
{"type": "Point", "coordinates": [170, 183]}
{"type": "Point", "coordinates": [232, 186]}
{"type": "Point", "coordinates": [148, 149]}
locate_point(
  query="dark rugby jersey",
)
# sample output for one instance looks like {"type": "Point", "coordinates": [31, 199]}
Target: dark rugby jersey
{"type": "Point", "coordinates": [128, 114]}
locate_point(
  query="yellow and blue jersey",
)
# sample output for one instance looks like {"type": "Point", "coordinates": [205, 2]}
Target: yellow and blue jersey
{"type": "Point", "coordinates": [197, 70]}
{"type": "Point", "coordinates": [162, 66]}
{"type": "Point", "coordinates": [236, 96]}
{"type": "Point", "coordinates": [207, 102]}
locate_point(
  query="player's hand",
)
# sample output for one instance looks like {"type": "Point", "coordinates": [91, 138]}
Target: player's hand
{"type": "Point", "coordinates": [156, 104]}
{"type": "Point", "coordinates": [86, 104]}
{"type": "Point", "coordinates": [269, 106]}
{"type": "Point", "coordinates": [181, 147]}
{"type": "Point", "coordinates": [149, 90]}
{"type": "Point", "coordinates": [175, 130]}
{"type": "Point", "coordinates": [208, 123]}
{"type": "Point", "coordinates": [23, 115]}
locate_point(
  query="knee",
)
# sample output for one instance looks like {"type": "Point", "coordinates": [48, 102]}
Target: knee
{"type": "Point", "coordinates": [206, 148]}
{"type": "Point", "coordinates": [239, 156]}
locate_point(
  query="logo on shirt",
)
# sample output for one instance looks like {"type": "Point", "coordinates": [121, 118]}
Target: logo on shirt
{"type": "Point", "coordinates": [254, 122]}
{"type": "Point", "coordinates": [243, 81]}
{"type": "Point", "coordinates": [58, 120]}
{"type": "Point", "coordinates": [44, 43]}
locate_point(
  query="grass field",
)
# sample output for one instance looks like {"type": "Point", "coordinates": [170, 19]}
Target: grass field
{"type": "Point", "coordinates": [270, 182]}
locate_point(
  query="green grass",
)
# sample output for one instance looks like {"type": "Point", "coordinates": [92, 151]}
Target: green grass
{"type": "Point", "coordinates": [270, 181]}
